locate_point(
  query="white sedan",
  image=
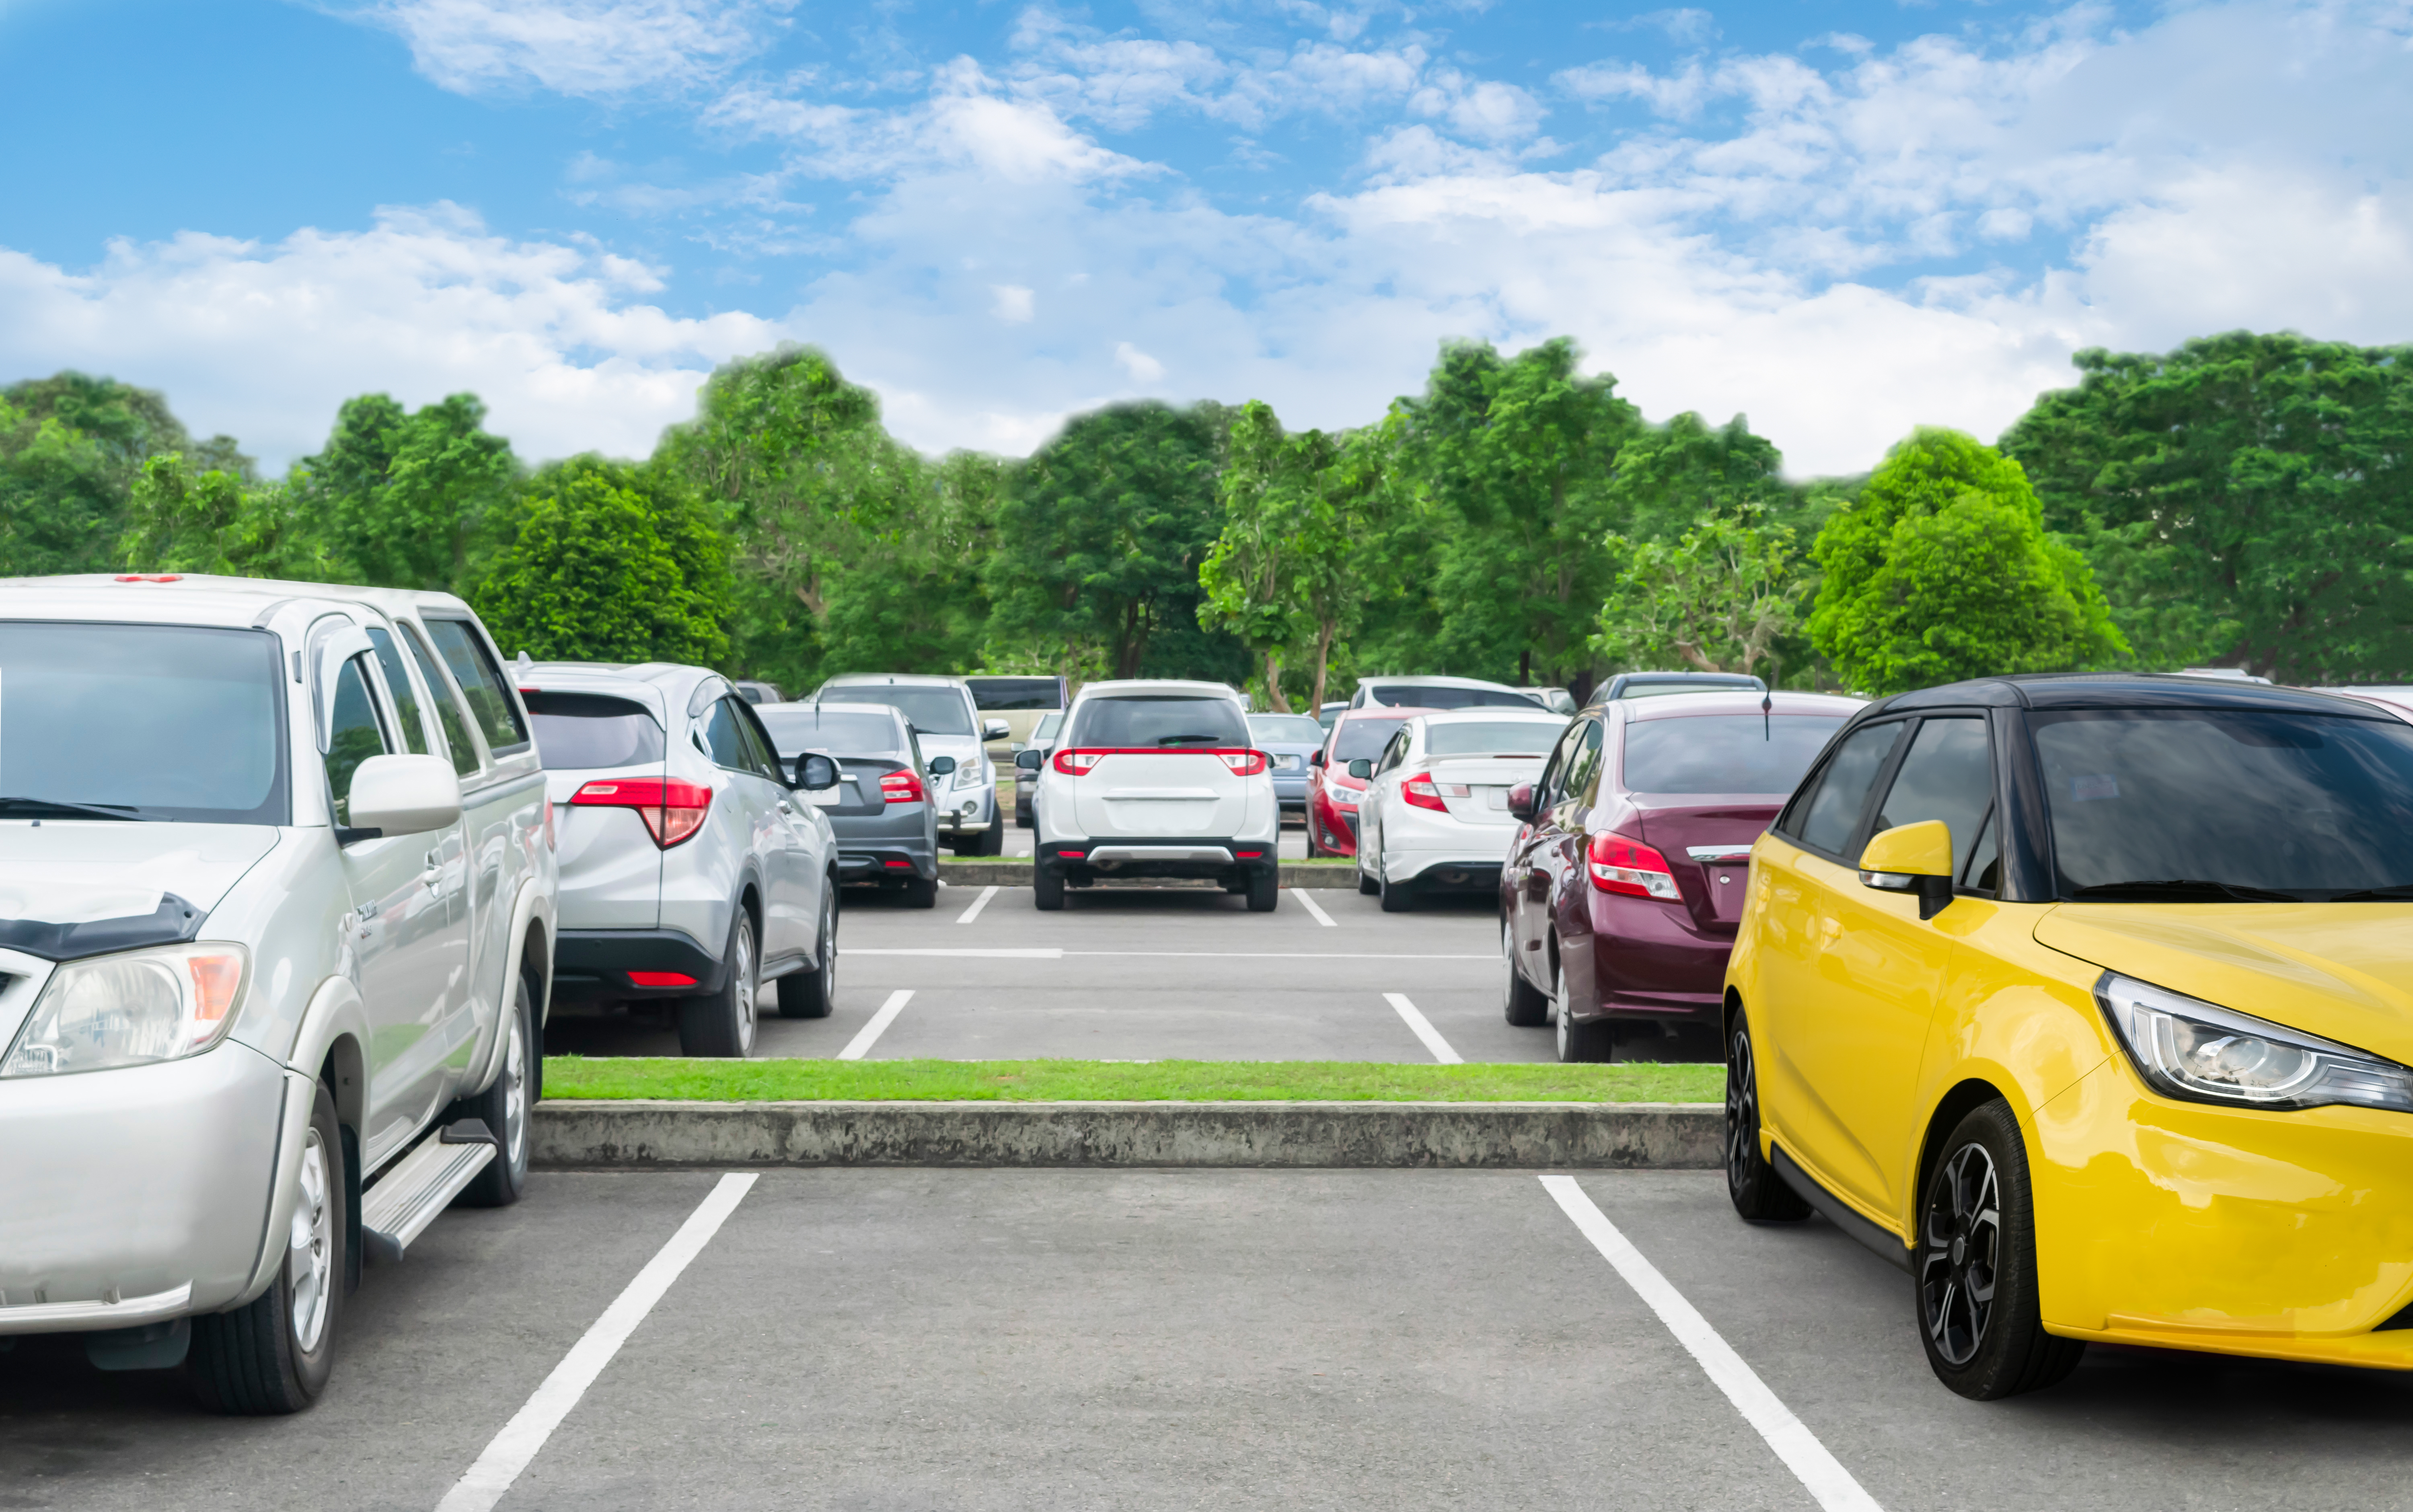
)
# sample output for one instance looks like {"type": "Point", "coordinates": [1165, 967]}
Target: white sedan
{"type": "Point", "coordinates": [1435, 815]}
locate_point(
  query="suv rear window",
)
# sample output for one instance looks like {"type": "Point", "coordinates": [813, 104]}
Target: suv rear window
{"type": "Point", "coordinates": [1419, 696]}
{"type": "Point", "coordinates": [580, 732]}
{"type": "Point", "coordinates": [1146, 722]}
{"type": "Point", "coordinates": [1725, 752]}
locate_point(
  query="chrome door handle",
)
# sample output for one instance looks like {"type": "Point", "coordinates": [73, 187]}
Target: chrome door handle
{"type": "Point", "coordinates": [434, 879]}
{"type": "Point", "coordinates": [785, 807]}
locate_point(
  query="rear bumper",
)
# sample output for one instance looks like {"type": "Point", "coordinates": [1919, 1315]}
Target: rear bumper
{"type": "Point", "coordinates": [135, 1195]}
{"type": "Point", "coordinates": [596, 963]}
{"type": "Point", "coordinates": [1444, 870]}
{"type": "Point", "coordinates": [861, 864]}
{"type": "Point", "coordinates": [1087, 861]}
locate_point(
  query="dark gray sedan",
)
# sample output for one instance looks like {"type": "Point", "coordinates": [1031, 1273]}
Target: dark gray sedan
{"type": "Point", "coordinates": [888, 832]}
{"type": "Point", "coordinates": [1290, 739]}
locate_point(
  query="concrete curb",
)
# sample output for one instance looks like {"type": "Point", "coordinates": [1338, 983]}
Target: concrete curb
{"type": "Point", "coordinates": [640, 1133]}
{"type": "Point", "coordinates": [1017, 874]}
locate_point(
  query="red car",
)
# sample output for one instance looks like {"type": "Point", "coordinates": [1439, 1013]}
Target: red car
{"type": "Point", "coordinates": [1332, 793]}
{"type": "Point", "coordinates": [1621, 892]}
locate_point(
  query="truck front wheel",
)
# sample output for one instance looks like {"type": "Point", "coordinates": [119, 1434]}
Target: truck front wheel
{"type": "Point", "coordinates": [273, 1354]}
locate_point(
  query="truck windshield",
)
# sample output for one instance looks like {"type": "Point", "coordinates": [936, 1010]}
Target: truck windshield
{"type": "Point", "coordinates": [933, 711]}
{"type": "Point", "coordinates": [141, 722]}
{"type": "Point", "coordinates": [2227, 805]}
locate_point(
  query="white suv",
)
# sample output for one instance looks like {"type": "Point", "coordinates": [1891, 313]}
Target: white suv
{"type": "Point", "coordinates": [1154, 779]}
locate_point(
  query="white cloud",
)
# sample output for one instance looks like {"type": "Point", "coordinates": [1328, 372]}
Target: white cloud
{"type": "Point", "coordinates": [262, 342]}
{"type": "Point", "coordinates": [1014, 303]}
{"type": "Point", "coordinates": [1140, 366]}
{"type": "Point", "coordinates": [588, 48]}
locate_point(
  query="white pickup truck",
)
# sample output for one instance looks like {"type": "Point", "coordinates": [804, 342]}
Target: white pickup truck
{"type": "Point", "coordinates": [276, 915]}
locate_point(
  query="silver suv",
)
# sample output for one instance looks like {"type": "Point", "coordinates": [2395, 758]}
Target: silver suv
{"type": "Point", "coordinates": [948, 724]}
{"type": "Point", "coordinates": [277, 924]}
{"type": "Point", "coordinates": [691, 873]}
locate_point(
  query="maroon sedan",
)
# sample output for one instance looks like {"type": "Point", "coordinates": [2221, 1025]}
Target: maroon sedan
{"type": "Point", "coordinates": [1619, 899]}
{"type": "Point", "coordinates": [1332, 793]}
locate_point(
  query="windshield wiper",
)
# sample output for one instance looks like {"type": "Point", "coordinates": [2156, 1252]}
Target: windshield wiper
{"type": "Point", "coordinates": [2182, 890]}
{"type": "Point", "coordinates": [2392, 892]}
{"type": "Point", "coordinates": [71, 811]}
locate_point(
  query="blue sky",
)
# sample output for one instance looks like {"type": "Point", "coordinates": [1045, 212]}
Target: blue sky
{"type": "Point", "coordinates": [1843, 219]}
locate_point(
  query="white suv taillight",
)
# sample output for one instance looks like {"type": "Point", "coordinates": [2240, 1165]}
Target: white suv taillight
{"type": "Point", "coordinates": [673, 810]}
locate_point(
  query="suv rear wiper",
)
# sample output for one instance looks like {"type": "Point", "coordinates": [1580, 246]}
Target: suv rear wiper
{"type": "Point", "coordinates": [2392, 892]}
{"type": "Point", "coordinates": [1208, 739]}
{"type": "Point", "coordinates": [72, 810]}
{"type": "Point", "coordinates": [2182, 890]}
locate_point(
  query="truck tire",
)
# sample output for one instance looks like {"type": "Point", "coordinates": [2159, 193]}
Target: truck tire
{"type": "Point", "coordinates": [991, 841]}
{"type": "Point", "coordinates": [721, 1025]}
{"type": "Point", "coordinates": [812, 994]}
{"type": "Point", "coordinates": [273, 1354]}
{"type": "Point", "coordinates": [503, 1107]}
{"type": "Point", "coordinates": [1046, 889]}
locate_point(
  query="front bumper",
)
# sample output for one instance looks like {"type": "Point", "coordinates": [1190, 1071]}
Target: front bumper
{"type": "Point", "coordinates": [137, 1194]}
{"type": "Point", "coordinates": [595, 963]}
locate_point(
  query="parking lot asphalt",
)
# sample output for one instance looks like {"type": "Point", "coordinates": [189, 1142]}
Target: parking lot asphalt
{"type": "Point", "coordinates": [965, 1339]}
{"type": "Point", "coordinates": [1141, 974]}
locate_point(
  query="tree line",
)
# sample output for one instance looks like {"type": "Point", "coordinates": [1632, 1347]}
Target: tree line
{"type": "Point", "coordinates": [2244, 501]}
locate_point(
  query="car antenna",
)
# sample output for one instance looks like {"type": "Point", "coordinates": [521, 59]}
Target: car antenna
{"type": "Point", "coordinates": [1766, 699]}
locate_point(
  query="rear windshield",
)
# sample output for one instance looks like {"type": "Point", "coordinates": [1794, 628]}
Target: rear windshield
{"type": "Point", "coordinates": [1290, 729]}
{"type": "Point", "coordinates": [1725, 752]}
{"type": "Point", "coordinates": [580, 732]}
{"type": "Point", "coordinates": [1519, 738]}
{"type": "Point", "coordinates": [1017, 692]}
{"type": "Point", "coordinates": [1418, 696]}
{"type": "Point", "coordinates": [934, 711]}
{"type": "Point", "coordinates": [2304, 805]}
{"type": "Point", "coordinates": [151, 721]}
{"type": "Point", "coordinates": [831, 731]}
{"type": "Point", "coordinates": [1145, 723]}
{"type": "Point", "coordinates": [1364, 739]}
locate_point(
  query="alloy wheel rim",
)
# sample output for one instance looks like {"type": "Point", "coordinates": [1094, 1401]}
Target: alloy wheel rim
{"type": "Point", "coordinates": [744, 966]}
{"type": "Point", "coordinates": [1742, 1112]}
{"type": "Point", "coordinates": [1959, 1253]}
{"type": "Point", "coordinates": [515, 1094]}
{"type": "Point", "coordinates": [310, 1262]}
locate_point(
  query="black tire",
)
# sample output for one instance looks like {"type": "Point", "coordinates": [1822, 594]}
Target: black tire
{"type": "Point", "coordinates": [273, 1354]}
{"type": "Point", "coordinates": [1976, 1223]}
{"type": "Point", "coordinates": [1398, 897]}
{"type": "Point", "coordinates": [1314, 850]}
{"type": "Point", "coordinates": [1046, 889]}
{"type": "Point", "coordinates": [720, 1026]}
{"type": "Point", "coordinates": [991, 841]}
{"type": "Point", "coordinates": [1525, 1005]}
{"type": "Point", "coordinates": [812, 994]}
{"type": "Point", "coordinates": [1757, 1193]}
{"type": "Point", "coordinates": [1264, 891]}
{"type": "Point", "coordinates": [503, 1107]}
{"type": "Point", "coordinates": [1580, 1042]}
{"type": "Point", "coordinates": [1367, 886]}
{"type": "Point", "coordinates": [920, 893]}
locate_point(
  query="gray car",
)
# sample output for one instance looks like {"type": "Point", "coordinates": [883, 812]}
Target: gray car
{"type": "Point", "coordinates": [887, 831]}
{"type": "Point", "coordinates": [1042, 740]}
{"type": "Point", "coordinates": [943, 716]}
{"type": "Point", "coordinates": [692, 873]}
{"type": "Point", "coordinates": [1290, 739]}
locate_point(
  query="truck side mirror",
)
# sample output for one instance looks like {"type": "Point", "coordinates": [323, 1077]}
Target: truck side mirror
{"type": "Point", "coordinates": [941, 766]}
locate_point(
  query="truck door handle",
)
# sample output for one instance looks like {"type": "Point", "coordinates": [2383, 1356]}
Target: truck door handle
{"type": "Point", "coordinates": [786, 808]}
{"type": "Point", "coordinates": [434, 876]}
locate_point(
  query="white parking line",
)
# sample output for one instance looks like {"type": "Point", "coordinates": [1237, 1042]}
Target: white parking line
{"type": "Point", "coordinates": [1307, 901]}
{"type": "Point", "coordinates": [485, 1481]}
{"type": "Point", "coordinates": [1820, 1471]}
{"type": "Point", "coordinates": [978, 903]}
{"type": "Point", "coordinates": [1423, 1029]}
{"type": "Point", "coordinates": [861, 1044]}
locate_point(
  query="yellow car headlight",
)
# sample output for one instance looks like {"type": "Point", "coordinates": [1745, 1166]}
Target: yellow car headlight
{"type": "Point", "coordinates": [2187, 1048]}
{"type": "Point", "coordinates": [130, 1009]}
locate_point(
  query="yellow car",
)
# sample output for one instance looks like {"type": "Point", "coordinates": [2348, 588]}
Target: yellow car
{"type": "Point", "coordinates": [2088, 1002]}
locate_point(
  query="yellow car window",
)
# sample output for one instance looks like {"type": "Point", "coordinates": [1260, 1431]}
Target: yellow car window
{"type": "Point", "coordinates": [1949, 774]}
{"type": "Point", "coordinates": [1834, 811]}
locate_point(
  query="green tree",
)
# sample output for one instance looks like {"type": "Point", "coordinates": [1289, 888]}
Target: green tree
{"type": "Point", "coordinates": [610, 562]}
{"type": "Point", "coordinates": [1716, 600]}
{"type": "Point", "coordinates": [1276, 524]}
{"type": "Point", "coordinates": [406, 500]}
{"type": "Point", "coordinates": [2247, 498]}
{"type": "Point", "coordinates": [1513, 458]}
{"type": "Point", "coordinates": [1941, 569]}
{"type": "Point", "coordinates": [1669, 478]}
{"type": "Point", "coordinates": [189, 518]}
{"type": "Point", "coordinates": [71, 447]}
{"type": "Point", "coordinates": [1100, 537]}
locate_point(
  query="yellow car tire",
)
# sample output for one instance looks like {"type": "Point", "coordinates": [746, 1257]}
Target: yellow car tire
{"type": "Point", "coordinates": [1975, 1269]}
{"type": "Point", "coordinates": [1757, 1193]}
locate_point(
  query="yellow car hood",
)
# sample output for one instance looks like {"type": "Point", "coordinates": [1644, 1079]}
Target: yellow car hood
{"type": "Point", "coordinates": [2342, 970]}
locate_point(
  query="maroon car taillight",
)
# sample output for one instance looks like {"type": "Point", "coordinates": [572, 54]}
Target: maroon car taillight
{"type": "Point", "coordinates": [1620, 864]}
{"type": "Point", "coordinates": [672, 810]}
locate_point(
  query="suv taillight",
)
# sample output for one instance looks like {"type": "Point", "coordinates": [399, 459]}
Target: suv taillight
{"type": "Point", "coordinates": [901, 787]}
{"type": "Point", "coordinates": [1629, 866]}
{"type": "Point", "coordinates": [672, 810]}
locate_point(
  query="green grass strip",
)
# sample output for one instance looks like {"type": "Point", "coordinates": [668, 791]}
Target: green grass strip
{"type": "Point", "coordinates": [1113, 1081]}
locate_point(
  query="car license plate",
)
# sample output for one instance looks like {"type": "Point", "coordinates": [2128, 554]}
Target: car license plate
{"type": "Point", "coordinates": [1496, 799]}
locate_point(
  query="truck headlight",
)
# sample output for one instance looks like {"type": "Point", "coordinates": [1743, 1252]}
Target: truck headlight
{"type": "Point", "coordinates": [2188, 1048]}
{"type": "Point", "coordinates": [130, 1009]}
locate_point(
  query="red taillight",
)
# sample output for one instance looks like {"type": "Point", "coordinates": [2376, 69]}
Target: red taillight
{"type": "Point", "coordinates": [1243, 762]}
{"type": "Point", "coordinates": [1248, 856]}
{"type": "Point", "coordinates": [150, 577]}
{"type": "Point", "coordinates": [895, 864]}
{"type": "Point", "coordinates": [1077, 762]}
{"type": "Point", "coordinates": [672, 810]}
{"type": "Point", "coordinates": [1629, 866]}
{"type": "Point", "coordinates": [1421, 793]}
{"type": "Point", "coordinates": [901, 787]}
{"type": "Point", "coordinates": [660, 979]}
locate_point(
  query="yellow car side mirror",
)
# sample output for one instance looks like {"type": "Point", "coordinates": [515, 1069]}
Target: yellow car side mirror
{"type": "Point", "coordinates": [1912, 858]}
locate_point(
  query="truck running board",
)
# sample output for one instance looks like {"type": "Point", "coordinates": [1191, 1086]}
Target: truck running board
{"type": "Point", "coordinates": [421, 1185]}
